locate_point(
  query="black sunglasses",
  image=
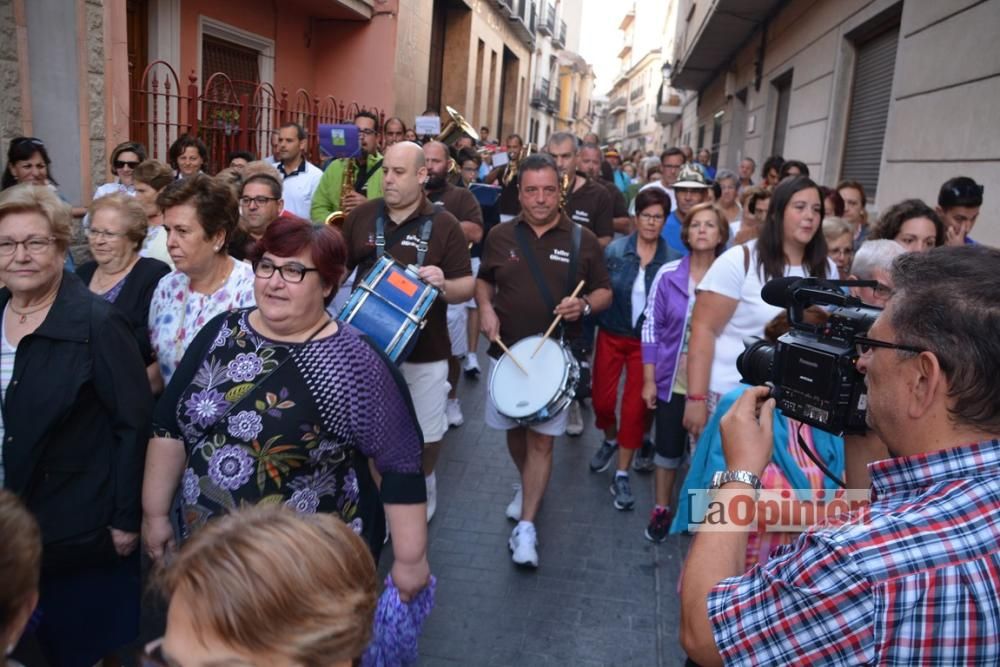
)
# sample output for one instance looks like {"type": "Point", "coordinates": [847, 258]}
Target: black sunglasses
{"type": "Point", "coordinates": [865, 345]}
{"type": "Point", "coordinates": [27, 140]}
{"type": "Point", "coordinates": [131, 164]}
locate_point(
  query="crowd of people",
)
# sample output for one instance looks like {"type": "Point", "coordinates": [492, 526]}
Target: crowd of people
{"type": "Point", "coordinates": [212, 412]}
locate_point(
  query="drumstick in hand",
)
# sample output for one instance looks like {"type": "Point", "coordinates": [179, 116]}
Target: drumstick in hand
{"type": "Point", "coordinates": [509, 354]}
{"type": "Point", "coordinates": [555, 322]}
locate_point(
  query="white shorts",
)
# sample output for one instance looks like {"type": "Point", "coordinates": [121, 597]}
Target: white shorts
{"type": "Point", "coordinates": [428, 385]}
{"type": "Point", "coordinates": [458, 320]}
{"type": "Point", "coordinates": [471, 303]}
{"type": "Point", "coordinates": [506, 218]}
{"type": "Point", "coordinates": [554, 427]}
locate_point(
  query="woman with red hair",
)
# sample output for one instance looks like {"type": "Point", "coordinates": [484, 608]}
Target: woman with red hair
{"type": "Point", "coordinates": [280, 404]}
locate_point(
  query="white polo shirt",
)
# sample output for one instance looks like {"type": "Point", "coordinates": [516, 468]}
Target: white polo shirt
{"type": "Point", "coordinates": [298, 188]}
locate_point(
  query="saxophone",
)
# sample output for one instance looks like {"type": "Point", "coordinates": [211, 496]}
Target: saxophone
{"type": "Point", "coordinates": [346, 187]}
{"type": "Point", "coordinates": [565, 185]}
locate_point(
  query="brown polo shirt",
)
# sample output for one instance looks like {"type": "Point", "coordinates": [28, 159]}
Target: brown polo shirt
{"type": "Point", "coordinates": [459, 202]}
{"type": "Point", "coordinates": [518, 302]}
{"type": "Point", "coordinates": [509, 201]}
{"type": "Point", "coordinates": [590, 205]}
{"type": "Point", "coordinates": [446, 249]}
{"type": "Point", "coordinates": [619, 209]}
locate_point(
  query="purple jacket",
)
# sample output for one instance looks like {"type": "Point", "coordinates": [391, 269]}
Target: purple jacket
{"type": "Point", "coordinates": [665, 323]}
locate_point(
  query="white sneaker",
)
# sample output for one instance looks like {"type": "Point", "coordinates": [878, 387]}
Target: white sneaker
{"type": "Point", "coordinates": [574, 422]}
{"type": "Point", "coordinates": [514, 507]}
{"type": "Point", "coordinates": [523, 545]}
{"type": "Point", "coordinates": [471, 365]}
{"type": "Point", "coordinates": [453, 411]}
{"type": "Point", "coordinates": [432, 495]}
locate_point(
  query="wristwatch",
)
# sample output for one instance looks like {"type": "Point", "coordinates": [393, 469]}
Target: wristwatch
{"type": "Point", "coordinates": [586, 307]}
{"type": "Point", "coordinates": [724, 476]}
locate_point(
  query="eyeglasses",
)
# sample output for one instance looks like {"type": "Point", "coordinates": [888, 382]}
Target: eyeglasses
{"type": "Point", "coordinates": [366, 131]}
{"type": "Point", "coordinates": [259, 201]}
{"type": "Point", "coordinates": [101, 234]}
{"type": "Point", "coordinates": [131, 164]}
{"type": "Point", "coordinates": [651, 217]}
{"type": "Point", "coordinates": [35, 245]}
{"type": "Point", "coordinates": [882, 291]}
{"type": "Point", "coordinates": [293, 272]}
{"type": "Point", "coordinates": [866, 345]}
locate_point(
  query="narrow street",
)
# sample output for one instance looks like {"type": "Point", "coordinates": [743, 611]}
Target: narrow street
{"type": "Point", "coordinates": [602, 596]}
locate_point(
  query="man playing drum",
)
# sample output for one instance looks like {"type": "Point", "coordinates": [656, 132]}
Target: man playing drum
{"type": "Point", "coordinates": [514, 305]}
{"type": "Point", "coordinates": [404, 210]}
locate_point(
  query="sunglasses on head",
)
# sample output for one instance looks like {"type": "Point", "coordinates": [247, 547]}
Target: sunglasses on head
{"type": "Point", "coordinates": [967, 191]}
{"type": "Point", "coordinates": [131, 164]}
{"type": "Point", "coordinates": [27, 140]}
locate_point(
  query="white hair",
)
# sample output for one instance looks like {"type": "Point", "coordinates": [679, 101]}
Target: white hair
{"type": "Point", "coordinates": [875, 254]}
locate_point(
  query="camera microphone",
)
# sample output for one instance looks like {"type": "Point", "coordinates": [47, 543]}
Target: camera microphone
{"type": "Point", "coordinates": [778, 291]}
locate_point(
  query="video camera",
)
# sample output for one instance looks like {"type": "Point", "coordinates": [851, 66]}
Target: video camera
{"type": "Point", "coordinates": [812, 369]}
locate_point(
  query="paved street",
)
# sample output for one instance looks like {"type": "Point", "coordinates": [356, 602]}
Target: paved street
{"type": "Point", "coordinates": [602, 596]}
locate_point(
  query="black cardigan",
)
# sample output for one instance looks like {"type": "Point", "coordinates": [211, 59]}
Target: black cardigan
{"type": "Point", "coordinates": [135, 296]}
{"type": "Point", "coordinates": [76, 417]}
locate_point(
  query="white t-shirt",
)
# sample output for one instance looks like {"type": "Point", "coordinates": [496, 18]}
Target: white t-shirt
{"type": "Point", "coordinates": [638, 296]}
{"type": "Point", "coordinates": [727, 277]}
{"type": "Point", "coordinates": [656, 184]}
{"type": "Point", "coordinates": [298, 188]}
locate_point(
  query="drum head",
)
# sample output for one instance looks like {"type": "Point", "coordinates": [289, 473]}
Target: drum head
{"type": "Point", "coordinates": [518, 395]}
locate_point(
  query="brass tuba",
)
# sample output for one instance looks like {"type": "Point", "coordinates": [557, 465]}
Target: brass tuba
{"type": "Point", "coordinates": [346, 187]}
{"type": "Point", "coordinates": [455, 128]}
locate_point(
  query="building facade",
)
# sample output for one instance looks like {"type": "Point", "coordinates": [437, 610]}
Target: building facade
{"type": "Point", "coordinates": [892, 93]}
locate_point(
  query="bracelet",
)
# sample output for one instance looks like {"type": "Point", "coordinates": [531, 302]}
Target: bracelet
{"type": "Point", "coordinates": [697, 397]}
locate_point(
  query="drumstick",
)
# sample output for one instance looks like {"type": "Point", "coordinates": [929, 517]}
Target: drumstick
{"type": "Point", "coordinates": [555, 322]}
{"type": "Point", "coordinates": [509, 354]}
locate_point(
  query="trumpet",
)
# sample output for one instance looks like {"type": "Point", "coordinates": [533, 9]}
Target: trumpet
{"type": "Point", "coordinates": [565, 185]}
{"type": "Point", "coordinates": [512, 167]}
{"type": "Point", "coordinates": [346, 187]}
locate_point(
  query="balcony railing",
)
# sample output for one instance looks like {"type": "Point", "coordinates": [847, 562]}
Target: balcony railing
{"type": "Point", "coordinates": [540, 97]}
{"type": "Point", "coordinates": [559, 40]}
{"type": "Point", "coordinates": [633, 127]}
{"type": "Point", "coordinates": [523, 17]}
{"type": "Point", "coordinates": [618, 104]}
{"type": "Point", "coordinates": [547, 25]}
{"type": "Point", "coordinates": [554, 101]}
{"type": "Point", "coordinates": [507, 5]}
{"type": "Point", "coordinates": [637, 93]}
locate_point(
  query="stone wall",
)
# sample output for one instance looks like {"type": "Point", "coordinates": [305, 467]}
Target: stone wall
{"type": "Point", "coordinates": [10, 80]}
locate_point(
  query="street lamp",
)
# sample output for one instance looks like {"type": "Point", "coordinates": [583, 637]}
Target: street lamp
{"type": "Point", "coordinates": [666, 69]}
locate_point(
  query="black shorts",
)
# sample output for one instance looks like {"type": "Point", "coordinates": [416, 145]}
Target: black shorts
{"type": "Point", "coordinates": [671, 438]}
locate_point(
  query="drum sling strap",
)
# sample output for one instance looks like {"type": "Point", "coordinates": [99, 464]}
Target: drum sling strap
{"type": "Point", "coordinates": [536, 272]}
{"type": "Point", "coordinates": [383, 242]}
{"type": "Point", "coordinates": [361, 180]}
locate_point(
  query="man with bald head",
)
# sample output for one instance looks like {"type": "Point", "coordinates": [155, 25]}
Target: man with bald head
{"type": "Point", "coordinates": [463, 205]}
{"type": "Point", "coordinates": [409, 220]}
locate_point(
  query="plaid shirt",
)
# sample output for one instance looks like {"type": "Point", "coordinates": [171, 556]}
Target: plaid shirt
{"type": "Point", "coordinates": [911, 579]}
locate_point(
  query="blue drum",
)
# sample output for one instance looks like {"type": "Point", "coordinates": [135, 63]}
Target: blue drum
{"type": "Point", "coordinates": [390, 306]}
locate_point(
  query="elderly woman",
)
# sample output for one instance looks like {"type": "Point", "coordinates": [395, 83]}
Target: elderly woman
{"type": "Point", "coordinates": [200, 215]}
{"type": "Point", "coordinates": [309, 575]}
{"type": "Point", "coordinates": [632, 262]}
{"type": "Point", "coordinates": [730, 308]}
{"type": "Point", "coordinates": [150, 178]}
{"type": "Point", "coordinates": [124, 160]}
{"type": "Point", "coordinates": [839, 244]}
{"type": "Point", "coordinates": [20, 562]}
{"type": "Point", "coordinates": [912, 224]}
{"type": "Point", "coordinates": [282, 404]}
{"type": "Point", "coordinates": [118, 273]}
{"type": "Point", "coordinates": [188, 156]}
{"type": "Point", "coordinates": [728, 201]}
{"type": "Point", "coordinates": [665, 332]}
{"type": "Point", "coordinates": [76, 416]}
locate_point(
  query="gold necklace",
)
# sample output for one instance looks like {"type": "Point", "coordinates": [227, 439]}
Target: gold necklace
{"type": "Point", "coordinates": [31, 311]}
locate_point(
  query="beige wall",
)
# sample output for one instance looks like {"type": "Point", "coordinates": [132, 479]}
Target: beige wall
{"type": "Point", "coordinates": [413, 44]}
{"type": "Point", "coordinates": [494, 30]}
{"type": "Point", "coordinates": [945, 90]}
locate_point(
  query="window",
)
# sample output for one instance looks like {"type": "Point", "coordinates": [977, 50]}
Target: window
{"type": "Point", "coordinates": [869, 110]}
{"type": "Point", "coordinates": [716, 136]}
{"type": "Point", "coordinates": [783, 90]}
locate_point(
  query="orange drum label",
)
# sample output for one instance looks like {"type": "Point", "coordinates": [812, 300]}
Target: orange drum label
{"type": "Point", "coordinates": [402, 283]}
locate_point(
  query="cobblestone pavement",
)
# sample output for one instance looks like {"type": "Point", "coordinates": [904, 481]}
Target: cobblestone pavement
{"type": "Point", "coordinates": [602, 596]}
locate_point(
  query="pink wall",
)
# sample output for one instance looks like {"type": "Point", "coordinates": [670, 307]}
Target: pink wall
{"type": "Point", "coordinates": [357, 61]}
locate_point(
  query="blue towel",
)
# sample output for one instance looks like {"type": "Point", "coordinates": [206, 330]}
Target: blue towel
{"type": "Point", "coordinates": [397, 626]}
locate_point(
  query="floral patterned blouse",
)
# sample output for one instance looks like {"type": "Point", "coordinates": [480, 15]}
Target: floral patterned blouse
{"type": "Point", "coordinates": [177, 312]}
{"type": "Point", "coordinates": [293, 423]}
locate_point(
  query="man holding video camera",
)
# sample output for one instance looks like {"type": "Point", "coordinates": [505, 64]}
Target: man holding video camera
{"type": "Point", "coordinates": [911, 579]}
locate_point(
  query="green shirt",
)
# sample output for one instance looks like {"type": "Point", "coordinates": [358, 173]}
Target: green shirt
{"type": "Point", "coordinates": [326, 198]}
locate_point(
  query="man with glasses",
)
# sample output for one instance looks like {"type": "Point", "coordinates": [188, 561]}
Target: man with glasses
{"type": "Point", "coordinates": [671, 162]}
{"type": "Point", "coordinates": [260, 205]}
{"type": "Point", "coordinates": [873, 261]}
{"type": "Point", "coordinates": [299, 176]}
{"type": "Point", "coordinates": [332, 193]}
{"type": "Point", "coordinates": [912, 578]}
{"type": "Point", "coordinates": [959, 202]}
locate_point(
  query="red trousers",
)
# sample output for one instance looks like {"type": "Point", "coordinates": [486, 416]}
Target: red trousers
{"type": "Point", "coordinates": [614, 353]}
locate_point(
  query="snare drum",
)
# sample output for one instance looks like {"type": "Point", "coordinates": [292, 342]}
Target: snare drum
{"type": "Point", "coordinates": [547, 388]}
{"type": "Point", "coordinates": [390, 305]}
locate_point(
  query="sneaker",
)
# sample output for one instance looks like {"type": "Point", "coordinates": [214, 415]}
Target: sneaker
{"type": "Point", "coordinates": [431, 481]}
{"type": "Point", "coordinates": [602, 458]}
{"type": "Point", "coordinates": [643, 461]}
{"type": "Point", "coordinates": [621, 489]}
{"type": "Point", "coordinates": [514, 507]}
{"type": "Point", "coordinates": [574, 424]}
{"type": "Point", "coordinates": [471, 366]}
{"type": "Point", "coordinates": [659, 525]}
{"type": "Point", "coordinates": [523, 544]}
{"type": "Point", "coordinates": [453, 411]}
